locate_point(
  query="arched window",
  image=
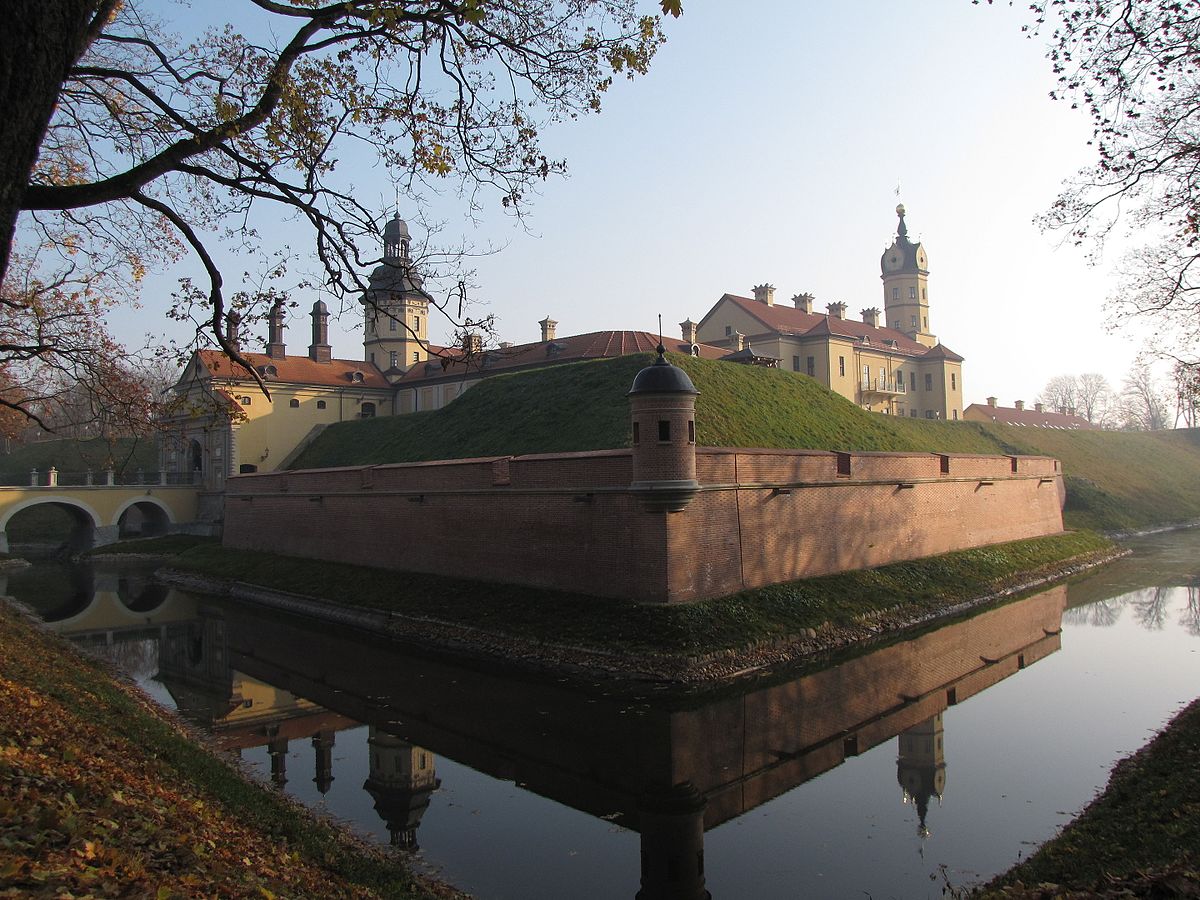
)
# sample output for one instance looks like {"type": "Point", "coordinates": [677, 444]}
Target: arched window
{"type": "Point", "coordinates": [320, 404]}
{"type": "Point", "coordinates": [367, 411]}
{"type": "Point", "coordinates": [294, 403]}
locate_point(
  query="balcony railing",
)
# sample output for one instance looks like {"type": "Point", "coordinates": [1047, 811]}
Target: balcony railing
{"type": "Point", "coordinates": [883, 386]}
{"type": "Point", "coordinates": [105, 478]}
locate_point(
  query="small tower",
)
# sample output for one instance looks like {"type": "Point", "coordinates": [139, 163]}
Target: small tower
{"type": "Point", "coordinates": [905, 274]}
{"type": "Point", "coordinates": [672, 829]}
{"type": "Point", "coordinates": [276, 323]}
{"type": "Point", "coordinates": [662, 404]}
{"type": "Point", "coordinates": [395, 306]}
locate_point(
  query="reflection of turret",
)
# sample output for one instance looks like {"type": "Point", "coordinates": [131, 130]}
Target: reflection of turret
{"type": "Point", "coordinates": [277, 749]}
{"type": "Point", "coordinates": [323, 751]}
{"type": "Point", "coordinates": [400, 782]}
{"type": "Point", "coordinates": [672, 827]}
{"type": "Point", "coordinates": [921, 768]}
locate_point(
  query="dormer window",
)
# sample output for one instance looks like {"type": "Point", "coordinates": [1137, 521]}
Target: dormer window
{"type": "Point", "coordinates": [268, 371]}
{"type": "Point", "coordinates": [356, 377]}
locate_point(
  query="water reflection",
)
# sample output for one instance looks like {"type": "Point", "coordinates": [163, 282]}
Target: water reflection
{"type": "Point", "coordinates": [669, 770]}
{"type": "Point", "coordinates": [688, 793]}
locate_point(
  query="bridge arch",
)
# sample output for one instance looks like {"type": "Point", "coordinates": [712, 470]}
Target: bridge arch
{"type": "Point", "coordinates": [145, 516]}
{"type": "Point", "coordinates": [88, 524]}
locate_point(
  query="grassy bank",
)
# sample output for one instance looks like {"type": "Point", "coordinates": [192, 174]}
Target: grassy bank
{"type": "Point", "coordinates": [1115, 481]}
{"type": "Point", "coordinates": [1140, 838]}
{"type": "Point", "coordinates": [101, 794]}
{"type": "Point", "coordinates": [167, 545]}
{"type": "Point", "coordinates": [70, 455]}
{"type": "Point", "coordinates": [555, 617]}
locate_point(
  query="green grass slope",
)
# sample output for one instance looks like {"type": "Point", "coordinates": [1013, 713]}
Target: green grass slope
{"type": "Point", "coordinates": [1115, 480]}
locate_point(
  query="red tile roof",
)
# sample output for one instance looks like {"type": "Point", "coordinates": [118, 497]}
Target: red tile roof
{"type": "Point", "coordinates": [1030, 418]}
{"type": "Point", "coordinates": [294, 370]}
{"type": "Point", "coordinates": [789, 320]}
{"type": "Point", "coordinates": [570, 348]}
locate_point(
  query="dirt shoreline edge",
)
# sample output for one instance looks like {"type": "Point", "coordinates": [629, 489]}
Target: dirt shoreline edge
{"type": "Point", "coordinates": [465, 642]}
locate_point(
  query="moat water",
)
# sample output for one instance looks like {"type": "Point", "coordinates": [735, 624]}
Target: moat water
{"type": "Point", "coordinates": [935, 760]}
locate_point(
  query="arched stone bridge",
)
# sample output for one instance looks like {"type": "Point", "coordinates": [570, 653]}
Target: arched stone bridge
{"type": "Point", "coordinates": [105, 513]}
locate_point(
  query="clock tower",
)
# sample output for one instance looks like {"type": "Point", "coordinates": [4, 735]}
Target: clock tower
{"type": "Point", "coordinates": [905, 274]}
{"type": "Point", "coordinates": [395, 306]}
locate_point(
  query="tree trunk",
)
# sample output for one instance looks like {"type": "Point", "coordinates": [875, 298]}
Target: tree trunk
{"type": "Point", "coordinates": [39, 42]}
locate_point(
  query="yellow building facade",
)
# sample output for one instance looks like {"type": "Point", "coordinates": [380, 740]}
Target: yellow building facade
{"type": "Point", "coordinates": [888, 362]}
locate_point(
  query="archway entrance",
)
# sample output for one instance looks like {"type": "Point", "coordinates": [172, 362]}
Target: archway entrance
{"type": "Point", "coordinates": [50, 528]}
{"type": "Point", "coordinates": [142, 520]}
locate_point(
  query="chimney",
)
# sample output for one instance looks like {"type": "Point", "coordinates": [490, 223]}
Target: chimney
{"type": "Point", "coordinates": [871, 317]}
{"type": "Point", "coordinates": [548, 326]}
{"type": "Point", "coordinates": [276, 349]}
{"type": "Point", "coordinates": [233, 329]}
{"type": "Point", "coordinates": [689, 330]}
{"type": "Point", "coordinates": [836, 310]}
{"type": "Point", "coordinates": [765, 293]}
{"type": "Point", "coordinates": [1020, 404]}
{"type": "Point", "coordinates": [991, 401]}
{"type": "Point", "coordinates": [804, 302]}
{"type": "Point", "coordinates": [1039, 407]}
{"type": "Point", "coordinates": [319, 350]}
{"type": "Point", "coordinates": [472, 343]}
{"type": "Point", "coordinates": [739, 340]}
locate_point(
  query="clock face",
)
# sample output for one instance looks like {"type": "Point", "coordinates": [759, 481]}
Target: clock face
{"type": "Point", "coordinates": [892, 262]}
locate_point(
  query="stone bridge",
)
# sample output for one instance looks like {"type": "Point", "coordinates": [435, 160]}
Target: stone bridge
{"type": "Point", "coordinates": [106, 512]}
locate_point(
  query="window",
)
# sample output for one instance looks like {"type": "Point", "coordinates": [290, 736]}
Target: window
{"type": "Point", "coordinates": [637, 433]}
{"type": "Point", "coordinates": [954, 412]}
{"type": "Point", "coordinates": [929, 413]}
{"type": "Point", "coordinates": [899, 380]}
{"type": "Point", "coordinates": [953, 381]}
{"type": "Point", "coordinates": [895, 293]}
{"type": "Point", "coordinates": [372, 357]}
{"type": "Point", "coordinates": [796, 364]}
{"type": "Point", "coordinates": [728, 330]}
{"type": "Point", "coordinates": [866, 376]}
{"type": "Point", "coordinates": [247, 469]}
{"type": "Point", "coordinates": [691, 431]}
{"type": "Point", "coordinates": [320, 404]}
{"type": "Point", "coordinates": [391, 324]}
{"type": "Point", "coordinates": [664, 430]}
{"type": "Point", "coordinates": [416, 356]}
{"type": "Point", "coordinates": [924, 295]}
{"type": "Point", "coordinates": [914, 321]}
{"type": "Point", "coordinates": [912, 413]}
{"type": "Point", "coordinates": [367, 411]}
{"type": "Point", "coordinates": [896, 325]}
{"type": "Point", "coordinates": [912, 293]}
{"type": "Point", "coordinates": [416, 323]}
{"type": "Point", "coordinates": [882, 375]}
{"type": "Point", "coordinates": [927, 323]}
{"type": "Point", "coordinates": [294, 403]}
{"type": "Point", "coordinates": [245, 401]}
{"type": "Point", "coordinates": [812, 365]}
{"type": "Point", "coordinates": [842, 366]}
{"type": "Point", "coordinates": [912, 382]}
{"type": "Point", "coordinates": [394, 359]}
{"type": "Point", "coordinates": [928, 382]}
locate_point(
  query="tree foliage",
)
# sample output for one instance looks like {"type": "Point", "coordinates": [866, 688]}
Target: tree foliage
{"type": "Point", "coordinates": [1134, 67]}
{"type": "Point", "coordinates": [161, 144]}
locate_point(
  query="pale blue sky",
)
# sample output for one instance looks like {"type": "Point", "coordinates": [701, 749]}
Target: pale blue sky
{"type": "Point", "coordinates": [765, 145]}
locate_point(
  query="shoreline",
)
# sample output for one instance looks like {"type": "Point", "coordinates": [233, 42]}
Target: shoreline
{"type": "Point", "coordinates": [670, 669]}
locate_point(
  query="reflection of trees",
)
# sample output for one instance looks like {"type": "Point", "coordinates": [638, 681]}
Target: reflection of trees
{"type": "Point", "coordinates": [1102, 613]}
{"type": "Point", "coordinates": [1150, 607]}
{"type": "Point", "coordinates": [1190, 618]}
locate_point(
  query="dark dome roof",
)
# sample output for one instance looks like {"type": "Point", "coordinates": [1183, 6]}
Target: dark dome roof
{"type": "Point", "coordinates": [662, 378]}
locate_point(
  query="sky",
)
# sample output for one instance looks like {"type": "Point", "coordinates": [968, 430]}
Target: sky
{"type": "Point", "coordinates": [767, 144]}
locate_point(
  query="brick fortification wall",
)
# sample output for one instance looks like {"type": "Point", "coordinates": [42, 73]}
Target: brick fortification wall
{"type": "Point", "coordinates": [569, 521]}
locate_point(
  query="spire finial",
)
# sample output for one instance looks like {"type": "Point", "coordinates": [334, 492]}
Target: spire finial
{"type": "Point", "coordinates": [662, 351]}
{"type": "Point", "coordinates": [902, 228]}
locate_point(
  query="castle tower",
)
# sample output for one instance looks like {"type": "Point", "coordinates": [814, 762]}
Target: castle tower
{"type": "Point", "coordinates": [395, 306]}
{"type": "Point", "coordinates": [921, 767]}
{"type": "Point", "coordinates": [400, 780]}
{"type": "Point", "coordinates": [905, 274]}
{"type": "Point", "coordinates": [662, 404]}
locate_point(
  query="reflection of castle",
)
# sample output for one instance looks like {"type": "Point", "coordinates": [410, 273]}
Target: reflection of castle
{"type": "Point", "coordinates": [400, 782]}
{"type": "Point", "coordinates": [921, 768]}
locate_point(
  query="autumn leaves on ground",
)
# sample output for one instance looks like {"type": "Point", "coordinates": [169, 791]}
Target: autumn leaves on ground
{"type": "Point", "coordinates": [103, 795]}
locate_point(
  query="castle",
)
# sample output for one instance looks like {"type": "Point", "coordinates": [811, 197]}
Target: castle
{"type": "Point", "coordinates": [222, 424]}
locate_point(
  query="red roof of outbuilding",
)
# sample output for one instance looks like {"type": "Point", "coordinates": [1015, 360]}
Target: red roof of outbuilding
{"type": "Point", "coordinates": [1030, 418]}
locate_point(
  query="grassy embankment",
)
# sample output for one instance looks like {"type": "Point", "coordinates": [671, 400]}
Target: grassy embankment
{"type": "Point", "coordinates": [1115, 481]}
{"type": "Point", "coordinates": [1140, 838]}
{"type": "Point", "coordinates": [101, 794]}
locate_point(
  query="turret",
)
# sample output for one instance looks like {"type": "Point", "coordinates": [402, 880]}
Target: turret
{"type": "Point", "coordinates": [276, 323]}
{"type": "Point", "coordinates": [662, 405]}
{"type": "Point", "coordinates": [319, 350]}
{"type": "Point", "coordinates": [904, 269]}
{"type": "Point", "coordinates": [396, 307]}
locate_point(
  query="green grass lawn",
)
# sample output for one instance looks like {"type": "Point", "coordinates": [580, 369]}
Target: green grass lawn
{"type": "Point", "coordinates": [1116, 480]}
